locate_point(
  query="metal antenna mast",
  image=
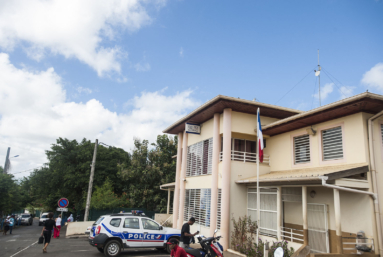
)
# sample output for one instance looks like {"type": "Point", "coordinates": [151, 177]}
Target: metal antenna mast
{"type": "Point", "coordinates": [317, 73]}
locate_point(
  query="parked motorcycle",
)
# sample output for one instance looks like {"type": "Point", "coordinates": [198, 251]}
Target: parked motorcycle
{"type": "Point", "coordinates": [210, 247]}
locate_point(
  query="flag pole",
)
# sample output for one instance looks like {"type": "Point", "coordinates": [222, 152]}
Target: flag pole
{"type": "Point", "coordinates": [258, 191]}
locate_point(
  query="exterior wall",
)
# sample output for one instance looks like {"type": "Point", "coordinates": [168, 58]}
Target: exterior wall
{"type": "Point", "coordinates": [206, 133]}
{"type": "Point", "coordinates": [246, 123]}
{"type": "Point", "coordinates": [280, 147]}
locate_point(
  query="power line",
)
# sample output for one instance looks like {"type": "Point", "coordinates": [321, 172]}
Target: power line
{"type": "Point", "coordinates": [27, 170]}
{"type": "Point", "coordinates": [295, 86]}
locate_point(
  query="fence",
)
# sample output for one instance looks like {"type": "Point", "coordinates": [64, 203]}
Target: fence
{"type": "Point", "coordinates": [291, 234]}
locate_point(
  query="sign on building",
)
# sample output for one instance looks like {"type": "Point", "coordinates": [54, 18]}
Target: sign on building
{"type": "Point", "coordinates": [193, 128]}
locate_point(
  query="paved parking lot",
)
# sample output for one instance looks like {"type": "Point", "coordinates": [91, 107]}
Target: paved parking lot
{"type": "Point", "coordinates": [23, 243]}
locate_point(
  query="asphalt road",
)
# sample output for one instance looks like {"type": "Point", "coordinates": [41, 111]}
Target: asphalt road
{"type": "Point", "coordinates": [23, 243]}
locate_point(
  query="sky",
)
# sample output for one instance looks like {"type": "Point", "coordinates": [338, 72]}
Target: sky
{"type": "Point", "coordinates": [122, 69]}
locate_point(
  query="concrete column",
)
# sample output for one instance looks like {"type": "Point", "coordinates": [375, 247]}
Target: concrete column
{"type": "Point", "coordinates": [176, 197]}
{"type": "Point", "coordinates": [182, 179]}
{"type": "Point", "coordinates": [226, 174]}
{"type": "Point", "coordinates": [168, 207]}
{"type": "Point", "coordinates": [304, 214]}
{"type": "Point", "coordinates": [214, 174]}
{"type": "Point", "coordinates": [338, 227]}
{"type": "Point", "coordinates": [279, 213]}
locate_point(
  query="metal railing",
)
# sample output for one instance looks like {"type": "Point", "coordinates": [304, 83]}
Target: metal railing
{"type": "Point", "coordinates": [291, 234]}
{"type": "Point", "coordinates": [361, 244]}
{"type": "Point", "coordinates": [245, 157]}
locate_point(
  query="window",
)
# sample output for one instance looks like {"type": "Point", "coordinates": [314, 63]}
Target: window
{"type": "Point", "coordinates": [219, 208]}
{"type": "Point", "coordinates": [98, 221]}
{"type": "Point", "coordinates": [332, 144]}
{"type": "Point", "coordinates": [197, 205]}
{"type": "Point", "coordinates": [115, 222]}
{"type": "Point", "coordinates": [268, 209]}
{"type": "Point", "coordinates": [132, 223]}
{"type": "Point", "coordinates": [150, 224]}
{"type": "Point", "coordinates": [302, 149]}
{"type": "Point", "coordinates": [199, 159]}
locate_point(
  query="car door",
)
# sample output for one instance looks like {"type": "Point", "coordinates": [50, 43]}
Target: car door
{"type": "Point", "coordinates": [132, 232]}
{"type": "Point", "coordinates": [154, 235]}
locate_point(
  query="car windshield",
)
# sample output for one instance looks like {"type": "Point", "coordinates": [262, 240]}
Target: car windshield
{"type": "Point", "coordinates": [44, 216]}
{"type": "Point", "coordinates": [98, 221]}
{"type": "Point", "coordinates": [25, 216]}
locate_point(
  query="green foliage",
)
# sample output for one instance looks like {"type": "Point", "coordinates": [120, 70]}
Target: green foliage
{"type": "Point", "coordinates": [121, 179]}
{"type": "Point", "coordinates": [10, 194]}
{"type": "Point", "coordinates": [242, 237]}
{"type": "Point", "coordinates": [242, 240]}
{"type": "Point", "coordinates": [148, 169]}
{"type": "Point", "coordinates": [104, 197]}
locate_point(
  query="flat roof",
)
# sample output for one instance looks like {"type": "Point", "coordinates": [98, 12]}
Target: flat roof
{"type": "Point", "coordinates": [221, 102]}
{"type": "Point", "coordinates": [307, 174]}
{"type": "Point", "coordinates": [364, 102]}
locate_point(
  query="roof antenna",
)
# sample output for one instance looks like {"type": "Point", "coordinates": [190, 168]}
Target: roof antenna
{"type": "Point", "coordinates": [317, 73]}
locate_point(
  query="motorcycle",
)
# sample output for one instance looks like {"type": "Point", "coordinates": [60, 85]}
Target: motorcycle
{"type": "Point", "coordinates": [210, 247]}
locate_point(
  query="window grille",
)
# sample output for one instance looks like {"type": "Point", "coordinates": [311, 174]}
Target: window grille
{"type": "Point", "coordinates": [268, 211]}
{"type": "Point", "coordinates": [197, 205]}
{"type": "Point", "coordinates": [332, 144]}
{"type": "Point", "coordinates": [302, 149]}
{"type": "Point", "coordinates": [292, 194]}
{"type": "Point", "coordinates": [199, 158]}
{"type": "Point", "coordinates": [219, 208]}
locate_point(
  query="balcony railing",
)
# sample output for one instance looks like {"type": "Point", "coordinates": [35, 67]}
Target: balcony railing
{"type": "Point", "coordinates": [245, 157]}
{"type": "Point", "coordinates": [292, 234]}
{"type": "Point", "coordinates": [358, 244]}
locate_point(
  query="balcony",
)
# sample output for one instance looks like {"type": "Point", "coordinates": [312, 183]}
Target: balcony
{"type": "Point", "coordinates": [246, 157]}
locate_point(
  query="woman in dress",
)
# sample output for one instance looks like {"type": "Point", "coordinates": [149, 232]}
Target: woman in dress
{"type": "Point", "coordinates": [47, 231]}
{"type": "Point", "coordinates": [56, 232]}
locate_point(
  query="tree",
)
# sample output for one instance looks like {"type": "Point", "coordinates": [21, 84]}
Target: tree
{"type": "Point", "coordinates": [149, 168]}
{"type": "Point", "coordinates": [9, 191]}
{"type": "Point", "coordinates": [104, 197]}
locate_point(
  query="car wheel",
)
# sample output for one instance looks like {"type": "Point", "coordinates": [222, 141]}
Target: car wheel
{"type": "Point", "coordinates": [112, 248]}
{"type": "Point", "coordinates": [101, 250]}
{"type": "Point", "coordinates": [168, 249]}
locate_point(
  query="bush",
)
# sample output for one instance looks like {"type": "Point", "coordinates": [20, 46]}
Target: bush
{"type": "Point", "coordinates": [168, 224]}
{"type": "Point", "coordinates": [243, 241]}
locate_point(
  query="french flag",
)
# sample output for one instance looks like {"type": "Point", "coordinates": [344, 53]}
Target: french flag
{"type": "Point", "coordinates": [260, 138]}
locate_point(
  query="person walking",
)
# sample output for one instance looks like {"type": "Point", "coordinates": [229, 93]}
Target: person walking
{"type": "Point", "coordinates": [6, 225]}
{"type": "Point", "coordinates": [11, 223]}
{"type": "Point", "coordinates": [56, 233]}
{"type": "Point", "coordinates": [70, 219]}
{"type": "Point", "coordinates": [47, 231]}
{"type": "Point", "coordinates": [185, 233]}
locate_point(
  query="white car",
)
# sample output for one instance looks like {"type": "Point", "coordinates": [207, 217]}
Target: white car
{"type": "Point", "coordinates": [113, 232]}
{"type": "Point", "coordinates": [88, 229]}
{"type": "Point", "coordinates": [43, 218]}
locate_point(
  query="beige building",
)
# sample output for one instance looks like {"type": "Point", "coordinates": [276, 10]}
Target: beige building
{"type": "Point", "coordinates": [318, 182]}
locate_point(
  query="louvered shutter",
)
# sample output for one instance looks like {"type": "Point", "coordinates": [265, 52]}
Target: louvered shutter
{"type": "Point", "coordinates": [332, 144]}
{"type": "Point", "coordinates": [302, 149]}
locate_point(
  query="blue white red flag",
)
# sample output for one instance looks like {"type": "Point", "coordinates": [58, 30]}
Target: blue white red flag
{"type": "Point", "coordinates": [260, 138]}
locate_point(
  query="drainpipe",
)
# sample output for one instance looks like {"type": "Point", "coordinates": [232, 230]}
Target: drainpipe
{"type": "Point", "coordinates": [372, 194]}
{"type": "Point", "coordinates": [374, 179]}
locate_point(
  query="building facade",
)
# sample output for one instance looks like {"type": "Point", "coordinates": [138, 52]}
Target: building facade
{"type": "Point", "coordinates": [318, 181]}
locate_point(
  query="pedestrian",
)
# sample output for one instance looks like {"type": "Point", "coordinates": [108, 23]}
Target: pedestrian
{"type": "Point", "coordinates": [185, 233]}
{"type": "Point", "coordinates": [6, 225]}
{"type": "Point", "coordinates": [70, 219]}
{"type": "Point", "coordinates": [11, 223]}
{"type": "Point", "coordinates": [47, 231]}
{"type": "Point", "coordinates": [176, 250]}
{"type": "Point", "coordinates": [57, 229]}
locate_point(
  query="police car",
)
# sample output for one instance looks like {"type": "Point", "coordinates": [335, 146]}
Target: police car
{"type": "Point", "coordinates": [113, 232]}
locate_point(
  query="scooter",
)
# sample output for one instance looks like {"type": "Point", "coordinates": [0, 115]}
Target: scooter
{"type": "Point", "coordinates": [210, 247]}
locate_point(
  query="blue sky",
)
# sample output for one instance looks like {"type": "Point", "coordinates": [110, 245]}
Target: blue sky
{"type": "Point", "coordinates": [142, 64]}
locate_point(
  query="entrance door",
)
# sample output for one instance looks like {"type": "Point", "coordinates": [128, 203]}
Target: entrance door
{"type": "Point", "coordinates": [318, 228]}
{"type": "Point", "coordinates": [154, 235]}
{"type": "Point", "coordinates": [132, 232]}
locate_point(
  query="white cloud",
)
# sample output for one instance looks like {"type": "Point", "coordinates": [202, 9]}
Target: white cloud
{"type": "Point", "coordinates": [325, 91]}
{"type": "Point", "coordinates": [182, 52]}
{"type": "Point", "coordinates": [84, 90]}
{"type": "Point", "coordinates": [346, 91]}
{"type": "Point", "coordinates": [374, 77]}
{"type": "Point", "coordinates": [35, 111]}
{"type": "Point", "coordinates": [72, 28]}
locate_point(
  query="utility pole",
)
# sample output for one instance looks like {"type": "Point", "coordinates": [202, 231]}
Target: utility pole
{"type": "Point", "coordinates": [93, 165]}
{"type": "Point", "coordinates": [7, 161]}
